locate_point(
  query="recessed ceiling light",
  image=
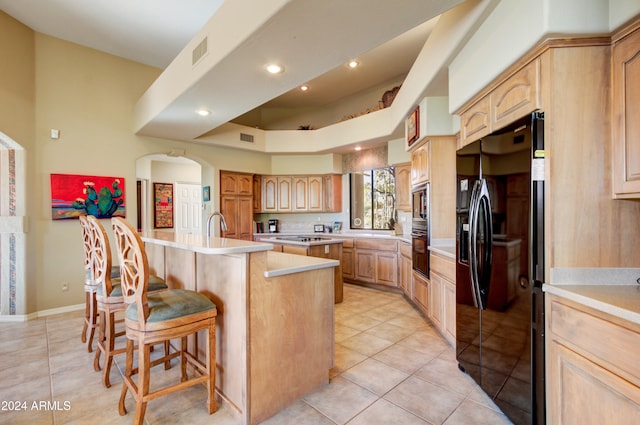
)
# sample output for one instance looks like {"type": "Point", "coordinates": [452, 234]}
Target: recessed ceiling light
{"type": "Point", "coordinates": [203, 112]}
{"type": "Point", "coordinates": [304, 88]}
{"type": "Point", "coordinates": [353, 64]}
{"type": "Point", "coordinates": [274, 68]}
{"type": "Point", "coordinates": [358, 148]}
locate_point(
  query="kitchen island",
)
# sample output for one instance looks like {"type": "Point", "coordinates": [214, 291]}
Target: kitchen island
{"type": "Point", "coordinates": [275, 324]}
{"type": "Point", "coordinates": [313, 246]}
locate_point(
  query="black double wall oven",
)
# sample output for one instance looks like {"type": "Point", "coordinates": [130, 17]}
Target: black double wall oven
{"type": "Point", "coordinates": [420, 229]}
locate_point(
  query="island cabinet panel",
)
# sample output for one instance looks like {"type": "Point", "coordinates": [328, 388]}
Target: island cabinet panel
{"type": "Point", "coordinates": [626, 113]}
{"type": "Point", "coordinates": [592, 365]}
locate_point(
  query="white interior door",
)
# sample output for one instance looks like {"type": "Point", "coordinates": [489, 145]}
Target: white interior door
{"type": "Point", "coordinates": [188, 205]}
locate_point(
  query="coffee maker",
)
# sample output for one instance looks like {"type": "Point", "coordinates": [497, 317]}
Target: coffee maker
{"type": "Point", "coordinates": [273, 226]}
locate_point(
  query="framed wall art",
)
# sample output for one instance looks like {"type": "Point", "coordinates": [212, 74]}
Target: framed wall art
{"type": "Point", "coordinates": [74, 195]}
{"type": "Point", "coordinates": [163, 205]}
{"type": "Point", "coordinates": [206, 193]}
{"type": "Point", "coordinates": [412, 126]}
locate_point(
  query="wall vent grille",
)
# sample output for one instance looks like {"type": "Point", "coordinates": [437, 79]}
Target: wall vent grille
{"type": "Point", "coordinates": [199, 51]}
{"type": "Point", "coordinates": [246, 137]}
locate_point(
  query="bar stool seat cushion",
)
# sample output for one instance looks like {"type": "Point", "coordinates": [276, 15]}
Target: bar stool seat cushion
{"type": "Point", "coordinates": [172, 304]}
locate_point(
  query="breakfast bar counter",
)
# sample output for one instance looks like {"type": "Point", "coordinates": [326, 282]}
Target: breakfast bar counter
{"type": "Point", "coordinates": [275, 324]}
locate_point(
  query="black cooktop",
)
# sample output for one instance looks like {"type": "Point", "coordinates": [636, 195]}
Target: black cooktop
{"type": "Point", "coordinates": [302, 238]}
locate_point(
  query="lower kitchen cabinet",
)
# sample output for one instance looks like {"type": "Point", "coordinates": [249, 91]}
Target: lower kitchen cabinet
{"type": "Point", "coordinates": [442, 295]}
{"type": "Point", "coordinates": [593, 372]}
{"type": "Point", "coordinates": [405, 282]}
{"type": "Point", "coordinates": [348, 263]}
{"type": "Point", "coordinates": [421, 292]}
{"type": "Point", "coordinates": [376, 261]}
{"type": "Point", "coordinates": [333, 251]}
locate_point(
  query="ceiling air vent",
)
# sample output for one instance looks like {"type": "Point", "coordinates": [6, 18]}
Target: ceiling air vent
{"type": "Point", "coordinates": [246, 137]}
{"type": "Point", "coordinates": [199, 51]}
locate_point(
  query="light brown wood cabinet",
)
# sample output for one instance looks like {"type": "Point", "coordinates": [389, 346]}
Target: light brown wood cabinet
{"type": "Point", "coordinates": [593, 372]}
{"type": "Point", "coordinates": [321, 193]}
{"type": "Point", "coordinates": [238, 213]}
{"type": "Point", "coordinates": [421, 292]}
{"type": "Point", "coordinates": [420, 164]}
{"type": "Point", "coordinates": [403, 187]}
{"type": "Point", "coordinates": [442, 295]}
{"type": "Point", "coordinates": [626, 113]}
{"type": "Point", "coordinates": [513, 98]}
{"type": "Point", "coordinates": [232, 183]}
{"type": "Point", "coordinates": [405, 269]}
{"type": "Point", "coordinates": [307, 194]}
{"type": "Point", "coordinates": [236, 204]}
{"type": "Point", "coordinates": [376, 261]}
{"type": "Point", "coordinates": [257, 194]}
{"type": "Point", "coordinates": [285, 187]}
{"type": "Point", "coordinates": [332, 251]}
{"type": "Point", "coordinates": [348, 262]}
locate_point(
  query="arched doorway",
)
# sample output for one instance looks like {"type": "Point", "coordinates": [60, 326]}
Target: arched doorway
{"type": "Point", "coordinates": [12, 228]}
{"type": "Point", "coordinates": [185, 174]}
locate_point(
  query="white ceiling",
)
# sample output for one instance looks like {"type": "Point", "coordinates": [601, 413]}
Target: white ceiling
{"type": "Point", "coordinates": [154, 32]}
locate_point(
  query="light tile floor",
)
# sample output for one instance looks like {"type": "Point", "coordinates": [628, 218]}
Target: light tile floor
{"type": "Point", "coordinates": [391, 367]}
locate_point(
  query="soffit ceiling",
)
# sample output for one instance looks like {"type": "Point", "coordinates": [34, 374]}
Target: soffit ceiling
{"type": "Point", "coordinates": [154, 32]}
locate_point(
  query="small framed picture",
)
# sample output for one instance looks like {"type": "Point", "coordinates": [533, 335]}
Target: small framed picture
{"type": "Point", "coordinates": [206, 193]}
{"type": "Point", "coordinates": [337, 226]}
{"type": "Point", "coordinates": [413, 126]}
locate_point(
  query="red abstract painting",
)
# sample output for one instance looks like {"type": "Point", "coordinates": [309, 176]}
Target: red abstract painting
{"type": "Point", "coordinates": [75, 195]}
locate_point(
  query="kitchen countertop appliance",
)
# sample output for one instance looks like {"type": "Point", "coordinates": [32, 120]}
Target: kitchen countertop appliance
{"type": "Point", "coordinates": [499, 303]}
{"type": "Point", "coordinates": [274, 226]}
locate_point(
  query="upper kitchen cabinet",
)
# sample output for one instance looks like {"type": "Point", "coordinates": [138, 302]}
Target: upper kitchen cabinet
{"type": "Point", "coordinates": [307, 194]}
{"type": "Point", "coordinates": [236, 204]}
{"type": "Point", "coordinates": [420, 164]}
{"type": "Point", "coordinates": [626, 113]}
{"type": "Point", "coordinates": [232, 183]}
{"type": "Point", "coordinates": [316, 193]}
{"type": "Point", "coordinates": [332, 192]}
{"type": "Point", "coordinates": [516, 96]}
{"type": "Point", "coordinates": [403, 187]}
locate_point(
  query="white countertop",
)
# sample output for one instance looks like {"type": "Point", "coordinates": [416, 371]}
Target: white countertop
{"type": "Point", "coordinates": [610, 290]}
{"type": "Point", "coordinates": [200, 243]}
{"type": "Point", "coordinates": [619, 300]}
{"type": "Point", "coordinates": [325, 241]}
{"type": "Point", "coordinates": [339, 235]}
{"type": "Point", "coordinates": [280, 264]}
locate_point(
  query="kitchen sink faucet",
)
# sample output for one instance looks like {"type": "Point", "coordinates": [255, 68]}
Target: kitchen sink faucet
{"type": "Point", "coordinates": [223, 223]}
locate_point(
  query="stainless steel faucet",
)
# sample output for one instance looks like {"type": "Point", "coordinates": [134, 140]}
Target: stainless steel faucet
{"type": "Point", "coordinates": [223, 222]}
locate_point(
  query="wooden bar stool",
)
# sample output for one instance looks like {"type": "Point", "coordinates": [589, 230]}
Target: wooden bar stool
{"type": "Point", "coordinates": [90, 309]}
{"type": "Point", "coordinates": [90, 285]}
{"type": "Point", "coordinates": [152, 318]}
{"type": "Point", "coordinates": [109, 298]}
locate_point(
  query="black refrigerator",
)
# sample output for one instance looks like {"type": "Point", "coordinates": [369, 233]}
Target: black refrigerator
{"type": "Point", "coordinates": [500, 267]}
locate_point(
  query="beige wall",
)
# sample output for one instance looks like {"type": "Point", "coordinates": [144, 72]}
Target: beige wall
{"type": "Point", "coordinates": [89, 96]}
